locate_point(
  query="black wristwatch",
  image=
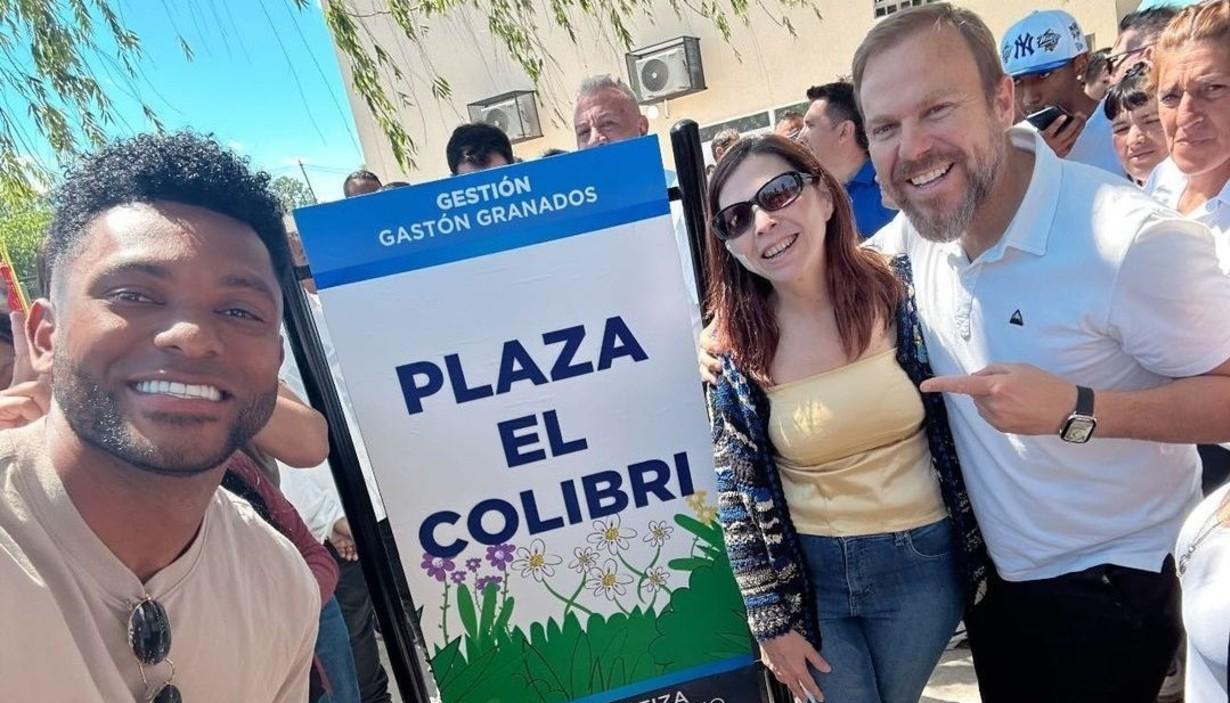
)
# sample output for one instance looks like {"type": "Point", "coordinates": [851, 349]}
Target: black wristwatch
{"type": "Point", "coordinates": [1079, 426]}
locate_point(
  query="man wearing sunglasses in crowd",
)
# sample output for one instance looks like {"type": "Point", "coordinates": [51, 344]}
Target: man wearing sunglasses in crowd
{"type": "Point", "coordinates": [1047, 57]}
{"type": "Point", "coordinates": [125, 574]}
{"type": "Point", "coordinates": [1138, 32]}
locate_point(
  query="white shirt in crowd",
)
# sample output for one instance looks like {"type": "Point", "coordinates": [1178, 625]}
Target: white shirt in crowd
{"type": "Point", "coordinates": [318, 508]}
{"type": "Point", "coordinates": [242, 605]}
{"type": "Point", "coordinates": [1167, 184]}
{"type": "Point", "coordinates": [314, 497]}
{"type": "Point", "coordinates": [1094, 146]}
{"type": "Point", "coordinates": [679, 225]}
{"type": "Point", "coordinates": [1099, 284]}
{"type": "Point", "coordinates": [1206, 610]}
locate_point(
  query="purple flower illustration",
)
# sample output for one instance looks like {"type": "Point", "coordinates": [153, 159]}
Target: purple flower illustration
{"type": "Point", "coordinates": [458, 577]}
{"type": "Point", "coordinates": [437, 567]}
{"type": "Point", "coordinates": [500, 555]}
{"type": "Point", "coordinates": [473, 564]}
{"type": "Point", "coordinates": [482, 583]}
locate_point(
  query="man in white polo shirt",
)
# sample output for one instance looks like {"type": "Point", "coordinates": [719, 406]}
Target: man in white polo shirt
{"type": "Point", "coordinates": [1047, 57]}
{"type": "Point", "coordinates": [1083, 336]}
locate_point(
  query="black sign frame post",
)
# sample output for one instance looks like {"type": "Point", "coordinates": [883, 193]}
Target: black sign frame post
{"type": "Point", "coordinates": [693, 183]}
{"type": "Point", "coordinates": [399, 628]}
{"type": "Point", "coordinates": [690, 169]}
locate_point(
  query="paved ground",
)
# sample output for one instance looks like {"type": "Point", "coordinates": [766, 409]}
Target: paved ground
{"type": "Point", "coordinates": [952, 682]}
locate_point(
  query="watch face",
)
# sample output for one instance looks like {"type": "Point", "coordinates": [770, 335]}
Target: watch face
{"type": "Point", "coordinates": [1079, 429]}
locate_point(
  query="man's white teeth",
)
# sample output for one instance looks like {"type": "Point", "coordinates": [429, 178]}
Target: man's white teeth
{"type": "Point", "coordinates": [179, 390]}
{"type": "Point", "coordinates": [780, 247]}
{"type": "Point", "coordinates": [929, 176]}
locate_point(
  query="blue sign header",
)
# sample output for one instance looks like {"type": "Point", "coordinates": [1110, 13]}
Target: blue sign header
{"type": "Point", "coordinates": [404, 229]}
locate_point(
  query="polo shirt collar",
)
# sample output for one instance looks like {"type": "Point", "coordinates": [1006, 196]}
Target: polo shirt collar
{"type": "Point", "coordinates": [866, 174]}
{"type": "Point", "coordinates": [1169, 183]}
{"type": "Point", "coordinates": [1030, 227]}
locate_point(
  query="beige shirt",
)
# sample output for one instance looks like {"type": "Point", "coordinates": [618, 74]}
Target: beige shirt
{"type": "Point", "coordinates": [852, 451]}
{"type": "Point", "coordinates": [242, 604]}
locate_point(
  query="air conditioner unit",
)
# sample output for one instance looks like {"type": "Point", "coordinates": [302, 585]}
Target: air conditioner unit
{"type": "Point", "coordinates": [664, 74]}
{"type": "Point", "coordinates": [666, 70]}
{"type": "Point", "coordinates": [515, 114]}
{"type": "Point", "coordinates": [505, 116]}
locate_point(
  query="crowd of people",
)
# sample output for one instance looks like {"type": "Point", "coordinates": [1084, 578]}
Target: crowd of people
{"type": "Point", "coordinates": [967, 358]}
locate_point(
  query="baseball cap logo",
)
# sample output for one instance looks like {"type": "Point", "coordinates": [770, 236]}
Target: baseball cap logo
{"type": "Point", "coordinates": [1049, 41]}
{"type": "Point", "coordinates": [1024, 45]}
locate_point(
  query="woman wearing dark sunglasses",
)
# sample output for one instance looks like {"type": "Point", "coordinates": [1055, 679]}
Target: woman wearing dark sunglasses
{"type": "Point", "coordinates": [842, 503]}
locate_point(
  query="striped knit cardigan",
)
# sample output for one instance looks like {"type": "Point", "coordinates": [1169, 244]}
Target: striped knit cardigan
{"type": "Point", "coordinates": [763, 545]}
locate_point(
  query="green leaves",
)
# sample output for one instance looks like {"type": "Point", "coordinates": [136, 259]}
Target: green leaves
{"type": "Point", "coordinates": [52, 50]}
{"type": "Point", "coordinates": [465, 609]}
{"type": "Point", "coordinates": [485, 626]}
{"type": "Point", "coordinates": [22, 227]}
{"type": "Point", "coordinates": [51, 56]}
{"type": "Point", "coordinates": [704, 622]}
{"type": "Point", "coordinates": [710, 534]}
{"type": "Point", "coordinates": [291, 192]}
{"type": "Point", "coordinates": [563, 660]}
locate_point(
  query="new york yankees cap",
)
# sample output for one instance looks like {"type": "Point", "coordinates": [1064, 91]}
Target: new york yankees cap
{"type": "Point", "coordinates": [1044, 41]}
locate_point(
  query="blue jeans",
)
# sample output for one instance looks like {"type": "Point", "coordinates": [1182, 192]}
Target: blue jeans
{"type": "Point", "coordinates": [888, 605]}
{"type": "Point", "coordinates": [333, 651]}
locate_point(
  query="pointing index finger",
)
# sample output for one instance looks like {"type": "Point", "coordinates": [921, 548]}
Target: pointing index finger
{"type": "Point", "coordinates": [963, 385]}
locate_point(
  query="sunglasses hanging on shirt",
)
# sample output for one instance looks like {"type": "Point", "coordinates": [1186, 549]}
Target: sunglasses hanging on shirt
{"type": "Point", "coordinates": [149, 637]}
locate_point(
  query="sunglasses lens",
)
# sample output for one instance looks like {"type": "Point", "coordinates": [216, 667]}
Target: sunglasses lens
{"type": "Point", "coordinates": [733, 221]}
{"type": "Point", "coordinates": [779, 192]}
{"type": "Point", "coordinates": [149, 633]}
{"type": "Point", "coordinates": [168, 694]}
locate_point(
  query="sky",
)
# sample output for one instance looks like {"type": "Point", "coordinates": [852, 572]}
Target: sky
{"type": "Point", "coordinates": [263, 79]}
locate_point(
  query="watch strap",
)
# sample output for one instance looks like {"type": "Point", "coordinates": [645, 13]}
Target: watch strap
{"type": "Point", "coordinates": [1084, 401]}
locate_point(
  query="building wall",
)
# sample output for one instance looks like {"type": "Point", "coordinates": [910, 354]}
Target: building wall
{"type": "Point", "coordinates": [761, 68]}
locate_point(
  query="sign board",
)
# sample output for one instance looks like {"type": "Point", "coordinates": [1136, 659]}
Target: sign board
{"type": "Point", "coordinates": [517, 347]}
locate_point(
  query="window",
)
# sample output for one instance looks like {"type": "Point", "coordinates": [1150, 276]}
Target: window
{"type": "Point", "coordinates": [755, 122]}
{"type": "Point", "coordinates": [800, 108]}
{"type": "Point", "coordinates": [883, 8]}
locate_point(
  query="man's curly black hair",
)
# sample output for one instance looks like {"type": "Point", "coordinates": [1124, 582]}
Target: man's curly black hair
{"type": "Point", "coordinates": [182, 167]}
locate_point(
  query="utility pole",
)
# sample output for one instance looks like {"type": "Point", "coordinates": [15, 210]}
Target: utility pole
{"type": "Point", "coordinates": [307, 180]}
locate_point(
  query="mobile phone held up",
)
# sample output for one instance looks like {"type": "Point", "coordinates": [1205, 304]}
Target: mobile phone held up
{"type": "Point", "coordinates": [1046, 117]}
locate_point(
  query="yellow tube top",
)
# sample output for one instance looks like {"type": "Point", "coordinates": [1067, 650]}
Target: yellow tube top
{"type": "Point", "coordinates": [852, 451]}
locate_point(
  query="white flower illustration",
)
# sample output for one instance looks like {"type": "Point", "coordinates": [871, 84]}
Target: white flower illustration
{"type": "Point", "coordinates": [585, 559]}
{"type": "Point", "coordinates": [535, 561]}
{"type": "Point", "coordinates": [607, 581]}
{"type": "Point", "coordinates": [609, 535]}
{"type": "Point", "coordinates": [656, 578]}
{"type": "Point", "coordinates": [659, 532]}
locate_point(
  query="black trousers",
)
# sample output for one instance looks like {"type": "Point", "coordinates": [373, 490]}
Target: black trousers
{"type": "Point", "coordinates": [356, 605]}
{"type": "Point", "coordinates": [1103, 634]}
{"type": "Point", "coordinates": [1216, 466]}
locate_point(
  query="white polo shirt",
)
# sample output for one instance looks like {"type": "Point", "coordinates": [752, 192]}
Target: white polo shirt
{"type": "Point", "coordinates": [1167, 184]}
{"type": "Point", "coordinates": [1097, 283]}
